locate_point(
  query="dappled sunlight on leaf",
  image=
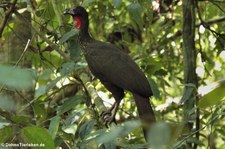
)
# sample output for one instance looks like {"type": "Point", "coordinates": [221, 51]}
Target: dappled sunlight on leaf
{"type": "Point", "coordinates": [16, 77]}
{"type": "Point", "coordinates": [212, 94]}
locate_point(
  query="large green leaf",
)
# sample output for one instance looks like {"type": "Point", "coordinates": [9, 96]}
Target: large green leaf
{"type": "Point", "coordinates": [38, 136]}
{"type": "Point", "coordinates": [52, 84]}
{"type": "Point", "coordinates": [135, 11]}
{"type": "Point", "coordinates": [16, 77]}
{"type": "Point", "coordinates": [117, 3]}
{"type": "Point", "coordinates": [69, 104]}
{"type": "Point", "coordinates": [87, 3]}
{"type": "Point", "coordinates": [189, 90]}
{"type": "Point", "coordinates": [154, 88]}
{"type": "Point", "coordinates": [86, 128]}
{"type": "Point", "coordinates": [74, 49]}
{"type": "Point", "coordinates": [54, 126]}
{"type": "Point", "coordinates": [20, 119]}
{"type": "Point", "coordinates": [68, 35]}
{"type": "Point", "coordinates": [5, 134]}
{"type": "Point", "coordinates": [67, 68]}
{"type": "Point", "coordinates": [118, 131]}
{"type": "Point", "coordinates": [69, 125]}
{"type": "Point", "coordinates": [214, 96]}
{"type": "Point", "coordinates": [7, 103]}
{"type": "Point", "coordinates": [39, 111]}
{"type": "Point", "coordinates": [159, 135]}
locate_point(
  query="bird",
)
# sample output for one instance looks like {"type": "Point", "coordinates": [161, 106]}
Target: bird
{"type": "Point", "coordinates": [115, 69]}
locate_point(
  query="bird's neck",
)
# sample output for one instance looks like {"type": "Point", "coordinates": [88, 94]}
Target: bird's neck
{"type": "Point", "coordinates": [84, 39]}
{"type": "Point", "coordinates": [84, 35]}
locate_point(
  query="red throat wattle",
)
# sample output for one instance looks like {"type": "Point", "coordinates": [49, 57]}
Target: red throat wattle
{"type": "Point", "coordinates": [78, 22]}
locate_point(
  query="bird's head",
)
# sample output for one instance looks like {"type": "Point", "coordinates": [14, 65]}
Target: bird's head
{"type": "Point", "coordinates": [80, 16]}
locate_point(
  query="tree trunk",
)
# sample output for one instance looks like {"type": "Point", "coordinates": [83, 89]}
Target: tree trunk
{"type": "Point", "coordinates": [190, 76]}
{"type": "Point", "coordinates": [13, 44]}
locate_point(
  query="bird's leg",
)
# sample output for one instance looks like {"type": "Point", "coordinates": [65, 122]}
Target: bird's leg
{"type": "Point", "coordinates": [118, 93]}
{"type": "Point", "coordinates": [109, 116]}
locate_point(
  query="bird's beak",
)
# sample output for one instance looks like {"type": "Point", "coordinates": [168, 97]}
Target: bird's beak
{"type": "Point", "coordinates": [69, 11]}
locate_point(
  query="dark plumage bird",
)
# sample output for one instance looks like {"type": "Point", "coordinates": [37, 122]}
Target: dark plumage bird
{"type": "Point", "coordinates": [114, 68]}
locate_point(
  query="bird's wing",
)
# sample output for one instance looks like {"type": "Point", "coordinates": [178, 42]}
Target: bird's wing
{"type": "Point", "coordinates": [108, 63]}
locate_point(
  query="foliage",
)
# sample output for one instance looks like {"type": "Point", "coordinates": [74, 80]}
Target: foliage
{"type": "Point", "coordinates": [64, 109]}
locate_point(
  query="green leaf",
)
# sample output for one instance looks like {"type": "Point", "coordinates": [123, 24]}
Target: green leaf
{"type": "Point", "coordinates": [74, 49]}
{"type": "Point", "coordinates": [40, 91]}
{"type": "Point", "coordinates": [190, 88]}
{"type": "Point", "coordinates": [87, 3]}
{"type": "Point", "coordinates": [45, 10]}
{"type": "Point", "coordinates": [159, 135]}
{"type": "Point", "coordinates": [92, 136]}
{"type": "Point", "coordinates": [110, 145]}
{"type": "Point", "coordinates": [69, 104]}
{"type": "Point", "coordinates": [68, 35]}
{"type": "Point", "coordinates": [5, 134]}
{"type": "Point", "coordinates": [45, 75]}
{"type": "Point", "coordinates": [214, 96]}
{"type": "Point", "coordinates": [67, 68]}
{"type": "Point", "coordinates": [3, 121]}
{"type": "Point", "coordinates": [86, 128]}
{"type": "Point", "coordinates": [135, 11]}
{"type": "Point", "coordinates": [118, 131]}
{"type": "Point", "coordinates": [70, 129]}
{"type": "Point", "coordinates": [39, 136]}
{"type": "Point", "coordinates": [117, 3]}
{"type": "Point", "coordinates": [39, 110]}
{"type": "Point", "coordinates": [20, 119]}
{"type": "Point", "coordinates": [7, 103]}
{"type": "Point", "coordinates": [154, 88]}
{"type": "Point", "coordinates": [52, 84]}
{"type": "Point", "coordinates": [16, 77]}
{"type": "Point", "coordinates": [70, 123]}
{"type": "Point", "coordinates": [54, 126]}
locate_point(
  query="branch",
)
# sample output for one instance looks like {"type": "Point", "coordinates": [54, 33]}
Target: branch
{"type": "Point", "coordinates": [213, 21]}
{"type": "Point", "coordinates": [7, 15]}
{"type": "Point", "coordinates": [209, 22]}
{"type": "Point", "coordinates": [93, 93]}
{"type": "Point", "coordinates": [98, 102]}
{"type": "Point", "coordinates": [6, 115]}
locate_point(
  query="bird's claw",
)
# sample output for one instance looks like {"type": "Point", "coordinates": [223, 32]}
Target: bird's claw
{"type": "Point", "coordinates": [107, 118]}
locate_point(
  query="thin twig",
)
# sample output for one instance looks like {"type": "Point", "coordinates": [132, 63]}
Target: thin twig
{"type": "Point", "coordinates": [7, 15]}
{"type": "Point", "coordinates": [213, 21]}
{"type": "Point", "coordinates": [206, 24]}
{"type": "Point", "coordinates": [217, 5]}
{"type": "Point", "coordinates": [24, 51]}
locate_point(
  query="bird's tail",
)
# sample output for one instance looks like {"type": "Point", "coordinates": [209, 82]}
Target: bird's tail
{"type": "Point", "coordinates": [145, 112]}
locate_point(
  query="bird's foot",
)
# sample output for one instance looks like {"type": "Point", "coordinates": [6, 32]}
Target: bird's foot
{"type": "Point", "coordinates": [107, 117]}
